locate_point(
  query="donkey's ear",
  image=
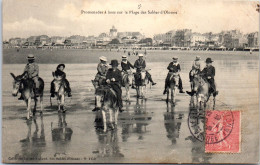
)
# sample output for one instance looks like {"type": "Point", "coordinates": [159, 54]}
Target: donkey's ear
{"type": "Point", "coordinates": [13, 75]}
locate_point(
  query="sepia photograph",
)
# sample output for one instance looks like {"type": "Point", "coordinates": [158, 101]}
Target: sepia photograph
{"type": "Point", "coordinates": [134, 81]}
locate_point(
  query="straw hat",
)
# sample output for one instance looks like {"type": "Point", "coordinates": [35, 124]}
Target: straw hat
{"type": "Point", "coordinates": [175, 58]}
{"type": "Point", "coordinates": [30, 57]}
{"type": "Point", "coordinates": [103, 58]}
{"type": "Point", "coordinates": [197, 58]}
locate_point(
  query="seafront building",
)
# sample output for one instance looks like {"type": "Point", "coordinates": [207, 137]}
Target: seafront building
{"type": "Point", "coordinates": [174, 39]}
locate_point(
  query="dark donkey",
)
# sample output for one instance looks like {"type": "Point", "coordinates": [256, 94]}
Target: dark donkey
{"type": "Point", "coordinates": [26, 86]}
{"type": "Point", "coordinates": [172, 87]}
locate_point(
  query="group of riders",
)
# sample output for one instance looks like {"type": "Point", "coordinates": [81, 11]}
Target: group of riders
{"type": "Point", "coordinates": [32, 71]}
{"type": "Point", "coordinates": [112, 77]}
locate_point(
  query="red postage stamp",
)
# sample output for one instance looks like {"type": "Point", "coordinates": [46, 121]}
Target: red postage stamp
{"type": "Point", "coordinates": [222, 131]}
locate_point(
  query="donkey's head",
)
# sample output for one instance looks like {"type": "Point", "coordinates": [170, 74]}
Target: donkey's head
{"type": "Point", "coordinates": [143, 75]}
{"type": "Point", "coordinates": [16, 84]}
{"type": "Point", "coordinates": [100, 94]}
{"type": "Point", "coordinates": [197, 80]}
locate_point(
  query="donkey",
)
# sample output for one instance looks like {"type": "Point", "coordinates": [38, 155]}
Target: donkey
{"type": "Point", "coordinates": [202, 89]}
{"type": "Point", "coordinates": [127, 78]}
{"type": "Point", "coordinates": [59, 86]}
{"type": "Point", "coordinates": [106, 100]}
{"type": "Point", "coordinates": [141, 81]}
{"type": "Point", "coordinates": [26, 86]}
{"type": "Point", "coordinates": [172, 86]}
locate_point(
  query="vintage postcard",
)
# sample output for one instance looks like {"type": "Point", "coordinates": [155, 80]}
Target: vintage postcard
{"type": "Point", "coordinates": [134, 81]}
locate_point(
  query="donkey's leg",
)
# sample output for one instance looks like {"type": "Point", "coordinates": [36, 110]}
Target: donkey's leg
{"type": "Point", "coordinates": [142, 91]}
{"type": "Point", "coordinates": [214, 103]}
{"type": "Point", "coordinates": [41, 103]}
{"type": "Point", "coordinates": [29, 108]}
{"type": "Point", "coordinates": [127, 92]}
{"type": "Point", "coordinates": [111, 118]}
{"type": "Point", "coordinates": [116, 116]}
{"type": "Point", "coordinates": [35, 105]}
{"type": "Point", "coordinates": [145, 90]}
{"type": "Point", "coordinates": [63, 102]}
{"type": "Point", "coordinates": [104, 120]}
{"type": "Point", "coordinates": [137, 92]}
{"type": "Point", "coordinates": [59, 102]}
{"type": "Point", "coordinates": [172, 95]}
{"type": "Point", "coordinates": [167, 91]}
{"type": "Point", "coordinates": [197, 101]}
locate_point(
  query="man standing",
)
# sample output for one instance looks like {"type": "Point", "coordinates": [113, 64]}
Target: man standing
{"type": "Point", "coordinates": [209, 73]}
{"type": "Point", "coordinates": [140, 65]}
{"type": "Point", "coordinates": [174, 67]}
{"type": "Point", "coordinates": [114, 78]}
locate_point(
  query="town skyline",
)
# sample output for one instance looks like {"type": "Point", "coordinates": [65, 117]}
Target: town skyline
{"type": "Point", "coordinates": [182, 38]}
{"type": "Point", "coordinates": [107, 32]}
{"type": "Point", "coordinates": [63, 18]}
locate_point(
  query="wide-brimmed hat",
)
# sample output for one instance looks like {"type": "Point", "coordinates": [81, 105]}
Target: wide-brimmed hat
{"type": "Point", "coordinates": [197, 58]}
{"type": "Point", "coordinates": [61, 65]}
{"type": "Point", "coordinates": [208, 60]}
{"type": "Point", "coordinates": [103, 58]}
{"type": "Point", "coordinates": [175, 58]}
{"type": "Point", "coordinates": [30, 57]}
{"type": "Point", "coordinates": [124, 57]}
{"type": "Point", "coordinates": [114, 63]}
{"type": "Point", "coordinates": [140, 55]}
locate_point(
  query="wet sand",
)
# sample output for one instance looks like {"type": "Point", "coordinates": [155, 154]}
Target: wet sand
{"type": "Point", "coordinates": [148, 131]}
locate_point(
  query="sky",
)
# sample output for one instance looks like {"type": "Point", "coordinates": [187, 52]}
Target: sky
{"type": "Point", "coordinates": [24, 18]}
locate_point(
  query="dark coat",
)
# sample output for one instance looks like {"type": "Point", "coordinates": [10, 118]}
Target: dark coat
{"type": "Point", "coordinates": [174, 68]}
{"type": "Point", "coordinates": [59, 73]}
{"type": "Point", "coordinates": [140, 64]}
{"type": "Point", "coordinates": [126, 66]}
{"type": "Point", "coordinates": [114, 74]}
{"type": "Point", "coordinates": [209, 71]}
{"type": "Point", "coordinates": [116, 85]}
